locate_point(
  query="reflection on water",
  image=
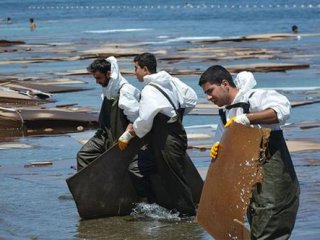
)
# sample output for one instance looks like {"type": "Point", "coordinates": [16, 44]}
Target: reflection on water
{"type": "Point", "coordinates": [131, 228]}
{"type": "Point", "coordinates": [147, 221]}
{"type": "Point", "coordinates": [35, 203]}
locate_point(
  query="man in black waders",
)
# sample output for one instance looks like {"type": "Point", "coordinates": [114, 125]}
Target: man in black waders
{"type": "Point", "coordinates": [119, 108]}
{"type": "Point", "coordinates": [163, 100]}
{"type": "Point", "coordinates": [274, 204]}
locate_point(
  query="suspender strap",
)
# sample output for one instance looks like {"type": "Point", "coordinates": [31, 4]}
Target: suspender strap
{"type": "Point", "coordinates": [164, 94]}
{"type": "Point", "coordinates": [251, 95]}
{"type": "Point", "coordinates": [244, 105]}
{"type": "Point", "coordinates": [121, 87]}
{"type": "Point", "coordinates": [222, 114]}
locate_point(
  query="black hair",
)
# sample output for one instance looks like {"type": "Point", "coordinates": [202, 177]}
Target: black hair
{"type": "Point", "coordinates": [147, 60]}
{"type": "Point", "coordinates": [100, 65]}
{"type": "Point", "coordinates": [215, 75]}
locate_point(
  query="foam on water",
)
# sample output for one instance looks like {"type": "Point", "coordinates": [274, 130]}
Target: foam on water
{"type": "Point", "coordinates": [118, 30]}
{"type": "Point", "coordinates": [154, 211]}
{"type": "Point", "coordinates": [182, 39]}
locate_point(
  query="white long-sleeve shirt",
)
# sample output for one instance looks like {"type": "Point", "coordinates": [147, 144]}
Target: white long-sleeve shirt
{"type": "Point", "coordinates": [260, 100]}
{"type": "Point", "coordinates": [153, 101]}
{"type": "Point", "coordinates": [118, 86]}
{"type": "Point", "coordinates": [189, 95]}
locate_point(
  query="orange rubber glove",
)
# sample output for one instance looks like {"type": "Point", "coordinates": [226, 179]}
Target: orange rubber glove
{"type": "Point", "coordinates": [124, 140]}
{"type": "Point", "coordinates": [214, 150]}
{"type": "Point", "coordinates": [242, 119]}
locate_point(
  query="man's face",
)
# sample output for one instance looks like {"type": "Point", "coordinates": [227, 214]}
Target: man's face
{"type": "Point", "coordinates": [140, 72]}
{"type": "Point", "coordinates": [101, 78]}
{"type": "Point", "coordinates": [218, 94]}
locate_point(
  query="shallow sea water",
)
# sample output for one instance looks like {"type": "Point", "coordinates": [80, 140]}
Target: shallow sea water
{"type": "Point", "coordinates": [35, 203]}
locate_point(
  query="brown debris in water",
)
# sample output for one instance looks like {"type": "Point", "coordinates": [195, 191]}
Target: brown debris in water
{"type": "Point", "coordinates": [229, 182]}
{"type": "Point", "coordinates": [6, 43]}
{"type": "Point", "coordinates": [31, 86]}
{"type": "Point", "coordinates": [32, 121]}
{"type": "Point", "coordinates": [256, 37]}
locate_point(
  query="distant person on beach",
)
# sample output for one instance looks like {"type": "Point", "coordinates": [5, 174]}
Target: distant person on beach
{"type": "Point", "coordinates": [119, 108]}
{"type": "Point", "coordinates": [274, 204]}
{"type": "Point", "coordinates": [163, 101]}
{"type": "Point", "coordinates": [33, 24]}
{"type": "Point", "coordinates": [7, 20]}
{"type": "Point", "coordinates": [294, 29]}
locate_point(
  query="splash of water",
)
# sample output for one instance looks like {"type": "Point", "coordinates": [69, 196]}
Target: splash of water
{"type": "Point", "coordinates": [154, 211]}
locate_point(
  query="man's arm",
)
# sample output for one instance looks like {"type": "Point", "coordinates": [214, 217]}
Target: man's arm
{"type": "Point", "coordinates": [267, 107]}
{"type": "Point", "coordinates": [130, 129]}
{"type": "Point", "coordinates": [150, 104]}
{"type": "Point", "coordinates": [269, 100]}
{"type": "Point", "coordinates": [268, 116]}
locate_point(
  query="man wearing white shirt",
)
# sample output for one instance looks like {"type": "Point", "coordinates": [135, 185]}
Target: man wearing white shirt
{"type": "Point", "coordinates": [274, 204]}
{"type": "Point", "coordinates": [163, 100]}
{"type": "Point", "coordinates": [119, 108]}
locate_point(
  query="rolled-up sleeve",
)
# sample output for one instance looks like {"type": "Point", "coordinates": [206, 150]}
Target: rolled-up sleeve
{"type": "Point", "coordinates": [263, 99]}
{"type": "Point", "coordinates": [129, 101]}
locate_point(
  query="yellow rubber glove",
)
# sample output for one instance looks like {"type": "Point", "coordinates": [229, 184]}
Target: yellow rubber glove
{"type": "Point", "coordinates": [124, 139]}
{"type": "Point", "coordinates": [214, 150]}
{"type": "Point", "coordinates": [242, 119]}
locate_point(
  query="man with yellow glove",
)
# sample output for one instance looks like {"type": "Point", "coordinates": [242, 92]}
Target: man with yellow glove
{"type": "Point", "coordinates": [119, 108]}
{"type": "Point", "coordinates": [163, 101]}
{"type": "Point", "coordinates": [272, 211]}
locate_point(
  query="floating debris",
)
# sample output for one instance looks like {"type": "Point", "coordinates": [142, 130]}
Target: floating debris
{"type": "Point", "coordinates": [38, 164]}
{"type": "Point", "coordinates": [6, 43]}
{"type": "Point", "coordinates": [14, 145]}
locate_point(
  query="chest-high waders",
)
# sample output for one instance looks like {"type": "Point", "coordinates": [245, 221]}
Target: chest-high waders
{"type": "Point", "coordinates": [274, 204]}
{"type": "Point", "coordinates": [113, 123]}
{"type": "Point", "coordinates": [168, 144]}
